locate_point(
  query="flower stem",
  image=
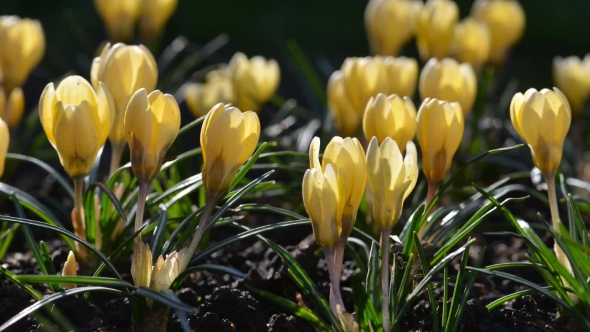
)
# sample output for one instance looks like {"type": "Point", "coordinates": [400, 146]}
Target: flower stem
{"type": "Point", "coordinates": [385, 279]}
{"type": "Point", "coordinates": [552, 195]}
{"type": "Point", "coordinates": [335, 295]}
{"type": "Point", "coordinates": [432, 189]}
{"type": "Point", "coordinates": [78, 222]}
{"type": "Point", "coordinates": [143, 190]}
{"type": "Point", "coordinates": [116, 154]}
{"type": "Point", "coordinates": [203, 224]}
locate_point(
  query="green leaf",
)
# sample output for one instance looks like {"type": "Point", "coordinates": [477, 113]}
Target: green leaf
{"type": "Point", "coordinates": [68, 234]}
{"type": "Point", "coordinates": [53, 298]}
{"type": "Point", "coordinates": [425, 270]}
{"type": "Point", "coordinates": [34, 206]}
{"type": "Point", "coordinates": [515, 296]}
{"type": "Point", "coordinates": [167, 298]}
{"type": "Point", "coordinates": [293, 308]}
{"type": "Point", "coordinates": [156, 244]}
{"type": "Point", "coordinates": [307, 285]}
{"type": "Point", "coordinates": [372, 286]}
{"type": "Point", "coordinates": [58, 177]}
{"type": "Point", "coordinates": [459, 312]}
{"type": "Point", "coordinates": [75, 280]}
{"type": "Point", "coordinates": [48, 263]}
{"type": "Point", "coordinates": [14, 279]}
{"type": "Point", "coordinates": [244, 169]}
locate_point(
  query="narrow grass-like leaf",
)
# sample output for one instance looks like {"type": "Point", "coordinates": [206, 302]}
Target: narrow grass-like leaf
{"type": "Point", "coordinates": [34, 206]}
{"type": "Point", "coordinates": [156, 244]}
{"type": "Point", "coordinates": [244, 169]}
{"type": "Point", "coordinates": [372, 286]}
{"type": "Point", "coordinates": [307, 285]}
{"type": "Point", "coordinates": [124, 245]}
{"type": "Point", "coordinates": [524, 282]}
{"type": "Point", "coordinates": [292, 307]}
{"type": "Point", "coordinates": [165, 298]}
{"type": "Point", "coordinates": [412, 227]}
{"type": "Point", "coordinates": [14, 279]}
{"type": "Point", "coordinates": [267, 208]}
{"type": "Point", "coordinates": [35, 250]}
{"type": "Point", "coordinates": [190, 181]}
{"type": "Point", "coordinates": [48, 263]}
{"type": "Point", "coordinates": [68, 234]}
{"type": "Point", "coordinates": [76, 280]}
{"type": "Point", "coordinates": [514, 296]}
{"type": "Point", "coordinates": [470, 282]}
{"type": "Point", "coordinates": [54, 297]}
{"type": "Point", "coordinates": [7, 234]}
{"type": "Point", "coordinates": [367, 316]}
{"type": "Point", "coordinates": [425, 270]}
{"type": "Point", "coordinates": [191, 125]}
{"type": "Point", "coordinates": [58, 177]}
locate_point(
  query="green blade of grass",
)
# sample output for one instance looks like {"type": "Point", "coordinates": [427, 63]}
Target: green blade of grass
{"type": "Point", "coordinates": [307, 285]}
{"type": "Point", "coordinates": [367, 316]}
{"type": "Point", "coordinates": [156, 244]}
{"type": "Point", "coordinates": [426, 270]}
{"type": "Point", "coordinates": [69, 235]}
{"type": "Point", "coordinates": [53, 298]}
{"type": "Point", "coordinates": [50, 170]}
{"type": "Point", "coordinates": [244, 169]}
{"type": "Point", "coordinates": [48, 263]}
{"type": "Point", "coordinates": [76, 280]}
{"type": "Point", "coordinates": [470, 282]}
{"type": "Point", "coordinates": [514, 296]}
{"type": "Point", "coordinates": [372, 286]}
{"type": "Point", "coordinates": [167, 298]}
{"type": "Point", "coordinates": [291, 307]}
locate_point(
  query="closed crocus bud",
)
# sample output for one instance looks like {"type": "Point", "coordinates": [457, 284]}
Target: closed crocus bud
{"type": "Point", "coordinates": [506, 21]}
{"type": "Point", "coordinates": [401, 76]}
{"type": "Point", "coordinates": [69, 269]}
{"type": "Point", "coordinates": [77, 121]}
{"type": "Point", "coordinates": [152, 123]}
{"type": "Point", "coordinates": [23, 46]}
{"type": "Point", "coordinates": [542, 119]}
{"type": "Point", "coordinates": [166, 270]}
{"type": "Point", "coordinates": [436, 26]}
{"type": "Point", "coordinates": [141, 264]}
{"type": "Point", "coordinates": [363, 78]}
{"type": "Point", "coordinates": [391, 179]}
{"type": "Point", "coordinates": [255, 80]}
{"type": "Point", "coordinates": [321, 197]}
{"type": "Point", "coordinates": [124, 69]}
{"type": "Point", "coordinates": [4, 142]}
{"type": "Point", "coordinates": [228, 139]}
{"type": "Point", "coordinates": [392, 24]}
{"type": "Point", "coordinates": [348, 157]}
{"type": "Point", "coordinates": [154, 15]}
{"type": "Point", "coordinates": [393, 117]}
{"type": "Point", "coordinates": [448, 80]}
{"type": "Point", "coordinates": [440, 129]}
{"type": "Point", "coordinates": [472, 42]}
{"type": "Point", "coordinates": [13, 108]}
{"type": "Point", "coordinates": [201, 97]}
{"type": "Point", "coordinates": [119, 17]}
{"type": "Point", "coordinates": [346, 116]}
{"type": "Point", "coordinates": [572, 76]}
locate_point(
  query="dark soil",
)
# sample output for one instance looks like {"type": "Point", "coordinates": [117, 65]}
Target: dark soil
{"type": "Point", "coordinates": [226, 305]}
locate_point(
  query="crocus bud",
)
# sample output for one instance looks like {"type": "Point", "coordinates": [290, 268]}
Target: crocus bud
{"type": "Point", "coordinates": [436, 25]}
{"type": "Point", "coordinates": [23, 45]}
{"type": "Point", "coordinates": [472, 42]}
{"type": "Point", "coordinates": [346, 116]}
{"type": "Point", "coordinates": [506, 21]}
{"type": "Point", "coordinates": [255, 80]}
{"type": "Point", "coordinates": [450, 81]}
{"type": "Point", "coordinates": [321, 197]}
{"type": "Point", "coordinates": [69, 269]}
{"type": "Point", "coordinates": [166, 270]}
{"type": "Point", "coordinates": [119, 17]}
{"type": "Point", "coordinates": [391, 179]}
{"type": "Point", "coordinates": [152, 123]}
{"type": "Point", "coordinates": [572, 76]}
{"type": "Point", "coordinates": [393, 117]}
{"type": "Point", "coordinates": [154, 15]}
{"type": "Point", "coordinates": [542, 119]}
{"type": "Point", "coordinates": [391, 24]}
{"type": "Point", "coordinates": [4, 142]}
{"type": "Point", "coordinates": [440, 129]}
{"type": "Point", "coordinates": [363, 78]}
{"type": "Point", "coordinates": [228, 139]}
{"type": "Point", "coordinates": [124, 69]}
{"type": "Point", "coordinates": [348, 157]}
{"type": "Point", "coordinates": [201, 97]}
{"type": "Point", "coordinates": [401, 76]}
{"type": "Point", "coordinates": [13, 108]}
{"type": "Point", "coordinates": [77, 121]}
{"type": "Point", "coordinates": [141, 264]}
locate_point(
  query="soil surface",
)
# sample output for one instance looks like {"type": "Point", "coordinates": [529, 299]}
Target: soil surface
{"type": "Point", "coordinates": [225, 304]}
